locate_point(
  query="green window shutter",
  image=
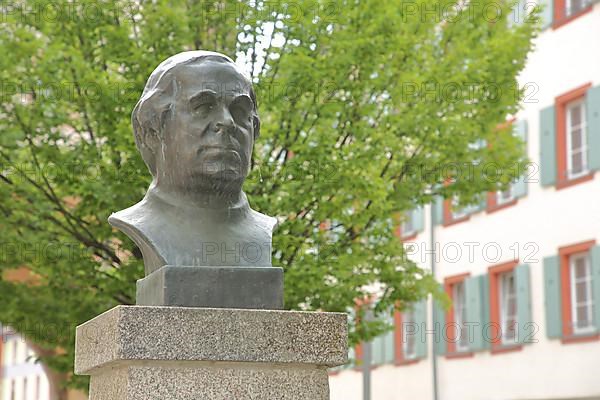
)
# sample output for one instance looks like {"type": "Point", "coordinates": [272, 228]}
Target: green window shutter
{"type": "Point", "coordinates": [520, 131]}
{"type": "Point", "coordinates": [547, 12]}
{"type": "Point", "coordinates": [438, 210]}
{"type": "Point", "coordinates": [421, 322]}
{"type": "Point", "coordinates": [548, 146]}
{"type": "Point", "coordinates": [593, 126]}
{"type": "Point", "coordinates": [382, 347]}
{"type": "Point", "coordinates": [419, 219]}
{"type": "Point", "coordinates": [439, 325]}
{"type": "Point", "coordinates": [388, 342]}
{"type": "Point", "coordinates": [524, 319]}
{"type": "Point", "coordinates": [473, 296]}
{"type": "Point", "coordinates": [595, 261]}
{"type": "Point", "coordinates": [520, 187]}
{"type": "Point", "coordinates": [377, 351]}
{"type": "Point", "coordinates": [485, 311]}
{"type": "Point", "coordinates": [351, 358]}
{"type": "Point", "coordinates": [388, 348]}
{"type": "Point", "coordinates": [480, 205]}
{"type": "Point", "coordinates": [552, 296]}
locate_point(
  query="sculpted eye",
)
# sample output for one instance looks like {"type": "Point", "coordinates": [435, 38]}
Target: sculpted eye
{"type": "Point", "coordinates": [241, 109]}
{"type": "Point", "coordinates": [204, 102]}
{"type": "Point", "coordinates": [204, 107]}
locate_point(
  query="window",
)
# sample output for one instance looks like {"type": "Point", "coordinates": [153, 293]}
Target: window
{"type": "Point", "coordinates": [581, 293]}
{"type": "Point", "coordinates": [453, 213]}
{"type": "Point", "coordinates": [511, 323]}
{"type": "Point", "coordinates": [460, 315]}
{"type": "Point", "coordinates": [458, 213]}
{"type": "Point", "coordinates": [408, 227]}
{"type": "Point", "coordinates": [410, 223]}
{"type": "Point", "coordinates": [410, 345]}
{"type": "Point", "coordinates": [565, 11]}
{"type": "Point", "coordinates": [517, 187]}
{"type": "Point", "coordinates": [13, 390]}
{"type": "Point", "coordinates": [570, 290]}
{"type": "Point", "coordinates": [570, 151]}
{"type": "Point", "coordinates": [508, 308]}
{"type": "Point", "coordinates": [573, 7]}
{"type": "Point", "coordinates": [506, 196]}
{"type": "Point", "coordinates": [576, 139]}
{"type": "Point", "coordinates": [409, 341]}
{"type": "Point", "coordinates": [456, 331]}
{"type": "Point", "coordinates": [25, 380]}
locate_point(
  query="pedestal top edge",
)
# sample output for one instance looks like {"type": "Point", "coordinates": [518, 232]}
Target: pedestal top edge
{"type": "Point", "coordinates": [253, 267]}
{"type": "Point", "coordinates": [197, 310]}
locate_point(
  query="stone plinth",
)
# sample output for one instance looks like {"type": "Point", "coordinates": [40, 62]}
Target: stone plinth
{"type": "Point", "coordinates": [183, 353]}
{"type": "Point", "coordinates": [219, 287]}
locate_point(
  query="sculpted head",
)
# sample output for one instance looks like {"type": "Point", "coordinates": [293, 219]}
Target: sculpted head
{"type": "Point", "coordinates": [196, 123]}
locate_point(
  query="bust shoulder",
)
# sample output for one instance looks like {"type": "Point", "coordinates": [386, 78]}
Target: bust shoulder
{"type": "Point", "coordinates": [266, 222]}
{"type": "Point", "coordinates": [135, 222]}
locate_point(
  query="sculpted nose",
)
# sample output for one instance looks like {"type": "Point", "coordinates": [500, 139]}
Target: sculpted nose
{"type": "Point", "coordinates": [224, 121]}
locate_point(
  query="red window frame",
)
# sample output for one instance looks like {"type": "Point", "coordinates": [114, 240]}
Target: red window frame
{"type": "Point", "coordinates": [358, 354]}
{"type": "Point", "coordinates": [564, 254]}
{"type": "Point", "coordinates": [451, 351]}
{"type": "Point", "coordinates": [399, 358]}
{"type": "Point", "coordinates": [495, 321]}
{"type": "Point", "coordinates": [448, 218]}
{"type": "Point", "coordinates": [358, 348]}
{"type": "Point", "coordinates": [559, 18]}
{"type": "Point", "coordinates": [492, 203]}
{"type": "Point", "coordinates": [398, 231]}
{"type": "Point", "coordinates": [560, 105]}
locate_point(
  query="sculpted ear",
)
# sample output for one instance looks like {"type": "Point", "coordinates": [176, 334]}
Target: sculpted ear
{"type": "Point", "coordinates": [152, 140]}
{"type": "Point", "coordinates": [149, 120]}
{"type": "Point", "coordinates": [146, 137]}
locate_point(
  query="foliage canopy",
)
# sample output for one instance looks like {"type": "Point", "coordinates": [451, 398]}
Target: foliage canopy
{"type": "Point", "coordinates": [363, 105]}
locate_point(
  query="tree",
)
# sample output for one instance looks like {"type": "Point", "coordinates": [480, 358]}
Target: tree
{"type": "Point", "coordinates": [357, 100]}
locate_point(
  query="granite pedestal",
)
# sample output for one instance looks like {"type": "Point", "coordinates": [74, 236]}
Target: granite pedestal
{"type": "Point", "coordinates": [185, 353]}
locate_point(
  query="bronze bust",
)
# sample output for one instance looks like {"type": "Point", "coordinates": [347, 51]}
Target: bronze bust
{"type": "Point", "coordinates": [195, 126]}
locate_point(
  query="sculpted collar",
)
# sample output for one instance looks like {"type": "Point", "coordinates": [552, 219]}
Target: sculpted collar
{"type": "Point", "coordinates": [232, 211]}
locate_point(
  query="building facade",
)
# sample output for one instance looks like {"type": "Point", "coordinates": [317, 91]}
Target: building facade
{"type": "Point", "coordinates": [21, 376]}
{"type": "Point", "coordinates": [523, 269]}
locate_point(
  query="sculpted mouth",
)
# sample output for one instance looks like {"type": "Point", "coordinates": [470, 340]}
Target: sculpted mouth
{"type": "Point", "coordinates": [215, 160]}
{"type": "Point", "coordinates": [219, 148]}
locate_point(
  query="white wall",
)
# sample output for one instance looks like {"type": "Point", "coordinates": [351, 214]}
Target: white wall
{"type": "Point", "coordinates": [539, 224]}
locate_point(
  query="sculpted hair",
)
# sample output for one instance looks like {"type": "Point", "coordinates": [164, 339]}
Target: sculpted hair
{"type": "Point", "coordinates": [155, 104]}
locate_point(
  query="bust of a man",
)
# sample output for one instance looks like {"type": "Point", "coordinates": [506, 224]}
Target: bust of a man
{"type": "Point", "coordinates": [195, 126]}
